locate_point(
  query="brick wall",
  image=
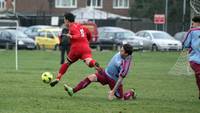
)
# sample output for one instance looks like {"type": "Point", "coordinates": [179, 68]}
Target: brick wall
{"type": "Point", "coordinates": [35, 6]}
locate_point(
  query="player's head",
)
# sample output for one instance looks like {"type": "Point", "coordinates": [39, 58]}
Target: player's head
{"type": "Point", "coordinates": [196, 21]}
{"type": "Point", "coordinates": [68, 18]}
{"type": "Point", "coordinates": [126, 50]}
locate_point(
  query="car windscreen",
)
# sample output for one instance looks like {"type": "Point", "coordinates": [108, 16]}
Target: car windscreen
{"type": "Point", "coordinates": [56, 33]}
{"type": "Point", "coordinates": [107, 35]}
{"type": "Point", "coordinates": [125, 34]}
{"type": "Point", "coordinates": [19, 34]}
{"type": "Point", "coordinates": [161, 35]}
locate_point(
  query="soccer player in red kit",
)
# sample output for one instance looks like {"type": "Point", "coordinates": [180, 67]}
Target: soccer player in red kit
{"type": "Point", "coordinates": [79, 48]}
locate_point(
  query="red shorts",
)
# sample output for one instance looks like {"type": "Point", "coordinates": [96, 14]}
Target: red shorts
{"type": "Point", "coordinates": [105, 79]}
{"type": "Point", "coordinates": [77, 53]}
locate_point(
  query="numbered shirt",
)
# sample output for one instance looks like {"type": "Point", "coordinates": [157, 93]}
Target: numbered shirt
{"type": "Point", "coordinates": [192, 41]}
{"type": "Point", "coordinates": [79, 35]}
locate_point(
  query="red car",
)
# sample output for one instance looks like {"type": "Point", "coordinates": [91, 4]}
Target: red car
{"type": "Point", "coordinates": [93, 29]}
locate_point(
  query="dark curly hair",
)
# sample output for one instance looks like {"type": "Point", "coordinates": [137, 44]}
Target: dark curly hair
{"type": "Point", "coordinates": [128, 49]}
{"type": "Point", "coordinates": [196, 19]}
{"type": "Point", "coordinates": [69, 16]}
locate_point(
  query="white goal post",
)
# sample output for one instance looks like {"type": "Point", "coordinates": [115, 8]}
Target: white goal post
{"type": "Point", "coordinates": [11, 24]}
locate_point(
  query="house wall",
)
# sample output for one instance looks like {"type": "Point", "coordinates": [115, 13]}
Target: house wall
{"type": "Point", "coordinates": [108, 6]}
{"type": "Point", "coordinates": [33, 7]}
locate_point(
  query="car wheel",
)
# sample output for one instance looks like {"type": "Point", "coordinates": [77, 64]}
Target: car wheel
{"type": "Point", "coordinates": [8, 46]}
{"type": "Point", "coordinates": [11, 46]}
{"type": "Point", "coordinates": [118, 47]}
{"type": "Point", "coordinates": [154, 48]}
{"type": "Point", "coordinates": [99, 48]}
{"type": "Point", "coordinates": [38, 47]}
{"type": "Point", "coordinates": [56, 47]}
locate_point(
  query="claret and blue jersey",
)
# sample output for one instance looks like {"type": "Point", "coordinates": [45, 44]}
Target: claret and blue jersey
{"type": "Point", "coordinates": [118, 66]}
{"type": "Point", "coordinates": [192, 41]}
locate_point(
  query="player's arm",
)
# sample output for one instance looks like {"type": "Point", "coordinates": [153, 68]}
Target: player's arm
{"type": "Point", "coordinates": [187, 40]}
{"type": "Point", "coordinates": [112, 92]}
{"type": "Point", "coordinates": [60, 38]}
{"type": "Point", "coordinates": [123, 72]}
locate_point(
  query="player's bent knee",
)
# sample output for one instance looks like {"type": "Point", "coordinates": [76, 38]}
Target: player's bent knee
{"type": "Point", "coordinates": [89, 62]}
{"type": "Point", "coordinates": [92, 78]}
{"type": "Point", "coordinates": [69, 62]}
{"type": "Point", "coordinates": [92, 63]}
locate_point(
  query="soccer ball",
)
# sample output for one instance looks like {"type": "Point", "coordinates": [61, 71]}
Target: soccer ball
{"type": "Point", "coordinates": [47, 77]}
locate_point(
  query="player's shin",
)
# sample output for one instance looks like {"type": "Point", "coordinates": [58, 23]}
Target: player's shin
{"type": "Point", "coordinates": [62, 70]}
{"type": "Point", "coordinates": [83, 84]}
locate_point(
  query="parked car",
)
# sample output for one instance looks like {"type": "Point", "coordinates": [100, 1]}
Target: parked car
{"type": "Point", "coordinates": [180, 35]}
{"type": "Point", "coordinates": [48, 38]}
{"type": "Point", "coordinates": [146, 43]}
{"type": "Point", "coordinates": [161, 40]}
{"type": "Point", "coordinates": [22, 29]}
{"type": "Point", "coordinates": [33, 31]}
{"type": "Point", "coordinates": [113, 38]}
{"type": "Point", "coordinates": [8, 39]}
{"type": "Point", "coordinates": [93, 29]}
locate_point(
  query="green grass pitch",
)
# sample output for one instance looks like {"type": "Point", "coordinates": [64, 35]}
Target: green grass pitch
{"type": "Point", "coordinates": [23, 91]}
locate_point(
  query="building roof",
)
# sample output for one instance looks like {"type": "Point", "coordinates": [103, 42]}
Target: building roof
{"type": "Point", "coordinates": [91, 13]}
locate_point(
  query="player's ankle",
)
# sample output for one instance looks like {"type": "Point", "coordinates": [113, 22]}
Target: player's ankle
{"type": "Point", "coordinates": [58, 79]}
{"type": "Point", "coordinates": [97, 64]}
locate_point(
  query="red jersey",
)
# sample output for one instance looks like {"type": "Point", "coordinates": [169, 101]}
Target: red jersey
{"type": "Point", "coordinates": [79, 35]}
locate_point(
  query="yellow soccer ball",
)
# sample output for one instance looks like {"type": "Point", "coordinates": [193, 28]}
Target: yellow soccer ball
{"type": "Point", "coordinates": [47, 77]}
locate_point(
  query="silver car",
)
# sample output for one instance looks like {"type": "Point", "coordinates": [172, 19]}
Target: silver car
{"type": "Point", "coordinates": [161, 40]}
{"type": "Point", "coordinates": [114, 37]}
{"type": "Point", "coordinates": [180, 35]}
{"type": "Point", "coordinates": [146, 43]}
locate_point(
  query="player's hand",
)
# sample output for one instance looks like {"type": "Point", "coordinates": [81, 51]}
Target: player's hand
{"type": "Point", "coordinates": [111, 95]}
{"type": "Point", "coordinates": [68, 35]}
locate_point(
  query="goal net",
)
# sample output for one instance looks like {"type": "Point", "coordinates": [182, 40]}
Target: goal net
{"type": "Point", "coordinates": [195, 7]}
{"type": "Point", "coordinates": [182, 66]}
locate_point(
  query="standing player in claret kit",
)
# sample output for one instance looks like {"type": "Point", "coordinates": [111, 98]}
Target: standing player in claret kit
{"type": "Point", "coordinates": [113, 76]}
{"type": "Point", "coordinates": [79, 48]}
{"type": "Point", "coordinates": [192, 41]}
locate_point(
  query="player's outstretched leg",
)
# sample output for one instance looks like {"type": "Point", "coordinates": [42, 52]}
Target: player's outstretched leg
{"type": "Point", "coordinates": [81, 85]}
{"type": "Point", "coordinates": [62, 70]}
{"type": "Point", "coordinates": [54, 82]}
{"type": "Point", "coordinates": [98, 67]}
{"type": "Point", "coordinates": [93, 63]}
